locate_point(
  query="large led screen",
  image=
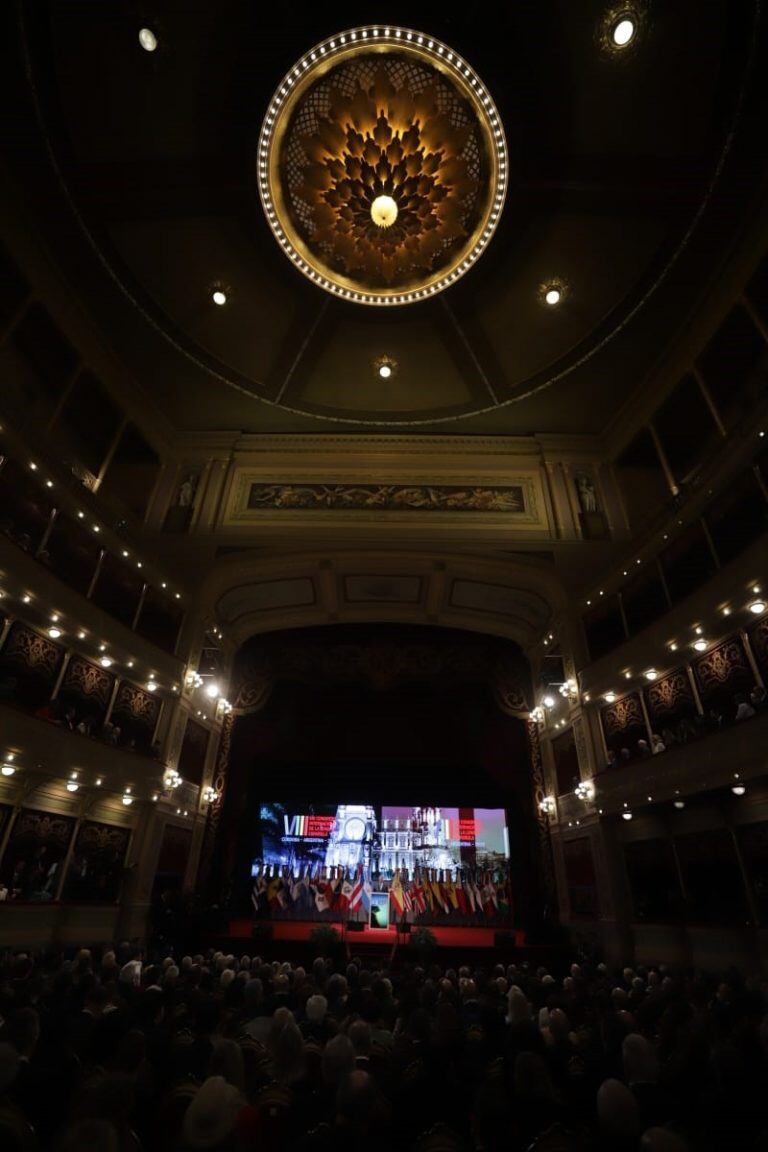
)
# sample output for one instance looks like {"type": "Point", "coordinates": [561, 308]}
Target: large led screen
{"type": "Point", "coordinates": [380, 839]}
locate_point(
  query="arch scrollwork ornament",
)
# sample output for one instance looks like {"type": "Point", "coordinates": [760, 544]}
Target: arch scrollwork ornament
{"type": "Point", "coordinates": [214, 811]}
{"type": "Point", "coordinates": [542, 820]}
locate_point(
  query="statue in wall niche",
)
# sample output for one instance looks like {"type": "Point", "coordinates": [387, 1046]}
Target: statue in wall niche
{"type": "Point", "coordinates": [587, 494]}
{"type": "Point", "coordinates": [186, 493]}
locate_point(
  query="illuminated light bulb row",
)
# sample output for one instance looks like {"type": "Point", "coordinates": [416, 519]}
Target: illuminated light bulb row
{"type": "Point", "coordinates": [700, 644]}
{"type": "Point", "coordinates": [448, 60]}
{"type": "Point", "coordinates": [73, 783]}
{"type": "Point", "coordinates": [81, 515]}
{"type": "Point", "coordinates": [55, 631]}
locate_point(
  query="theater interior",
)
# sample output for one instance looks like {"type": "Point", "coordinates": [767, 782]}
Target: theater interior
{"type": "Point", "coordinates": [382, 420]}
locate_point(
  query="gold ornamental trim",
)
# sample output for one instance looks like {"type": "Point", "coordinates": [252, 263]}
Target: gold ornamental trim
{"type": "Point", "coordinates": [442, 162]}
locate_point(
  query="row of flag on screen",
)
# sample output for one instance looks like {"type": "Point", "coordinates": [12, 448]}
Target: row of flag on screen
{"type": "Point", "coordinates": [427, 893]}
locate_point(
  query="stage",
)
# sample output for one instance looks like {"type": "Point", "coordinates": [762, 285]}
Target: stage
{"type": "Point", "coordinates": [300, 931]}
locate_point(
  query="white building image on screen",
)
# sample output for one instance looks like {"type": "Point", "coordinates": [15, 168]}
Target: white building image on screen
{"type": "Point", "coordinates": [420, 840]}
{"type": "Point", "coordinates": [352, 838]}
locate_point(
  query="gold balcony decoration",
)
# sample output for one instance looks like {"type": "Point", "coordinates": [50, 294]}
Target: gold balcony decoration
{"type": "Point", "coordinates": [382, 165]}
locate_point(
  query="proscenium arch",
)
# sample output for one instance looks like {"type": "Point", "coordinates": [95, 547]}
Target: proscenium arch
{"type": "Point", "coordinates": [247, 593]}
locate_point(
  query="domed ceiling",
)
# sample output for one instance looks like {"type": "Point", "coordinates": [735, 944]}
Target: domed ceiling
{"type": "Point", "coordinates": [630, 173]}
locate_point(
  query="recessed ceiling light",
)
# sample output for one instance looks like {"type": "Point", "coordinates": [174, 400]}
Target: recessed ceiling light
{"type": "Point", "coordinates": [552, 296]}
{"type": "Point", "coordinates": [147, 39]}
{"type": "Point", "coordinates": [609, 697]}
{"type": "Point", "coordinates": [758, 607]}
{"type": "Point", "coordinates": [626, 815]}
{"type": "Point", "coordinates": [219, 297]}
{"type": "Point", "coordinates": [81, 635]}
{"type": "Point", "coordinates": [26, 599]}
{"type": "Point", "coordinates": [679, 803]}
{"type": "Point", "coordinates": [738, 789]}
{"type": "Point", "coordinates": [651, 674]}
{"type": "Point", "coordinates": [385, 367]}
{"type": "Point", "coordinates": [33, 466]}
{"type": "Point", "coordinates": [54, 633]}
{"type": "Point", "coordinates": [700, 645]}
{"type": "Point", "coordinates": [105, 662]}
{"type": "Point", "coordinates": [623, 32]}
{"type": "Point", "coordinates": [549, 701]}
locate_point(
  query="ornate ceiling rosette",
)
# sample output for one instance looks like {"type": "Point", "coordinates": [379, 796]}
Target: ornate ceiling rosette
{"type": "Point", "coordinates": [382, 165]}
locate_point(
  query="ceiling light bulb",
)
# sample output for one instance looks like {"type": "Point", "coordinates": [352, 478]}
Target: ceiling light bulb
{"type": "Point", "coordinates": [626, 815]}
{"type": "Point", "coordinates": [385, 371]}
{"type": "Point", "coordinates": [552, 296]}
{"type": "Point", "coordinates": [549, 701]}
{"type": "Point", "coordinates": [212, 690]}
{"type": "Point", "coordinates": [384, 211]}
{"type": "Point", "coordinates": [81, 635]}
{"type": "Point", "coordinates": [26, 599]}
{"type": "Point", "coordinates": [623, 32]}
{"type": "Point", "coordinates": [54, 633]}
{"type": "Point", "coordinates": [651, 674]}
{"type": "Point", "coordinates": [127, 800]}
{"type": "Point", "coordinates": [151, 686]}
{"type": "Point", "coordinates": [105, 662]}
{"type": "Point", "coordinates": [738, 789]}
{"type": "Point", "coordinates": [610, 697]}
{"type": "Point", "coordinates": [7, 769]}
{"type": "Point", "coordinates": [72, 786]}
{"type": "Point", "coordinates": [147, 39]}
{"type": "Point", "coordinates": [219, 297]}
{"type": "Point", "coordinates": [679, 803]}
{"type": "Point", "coordinates": [700, 645]}
{"type": "Point", "coordinates": [758, 607]}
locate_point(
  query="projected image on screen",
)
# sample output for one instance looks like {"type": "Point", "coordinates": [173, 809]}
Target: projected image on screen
{"type": "Point", "coordinates": [380, 840]}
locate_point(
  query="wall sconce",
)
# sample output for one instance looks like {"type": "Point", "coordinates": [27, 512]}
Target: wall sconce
{"type": "Point", "coordinates": [210, 795]}
{"type": "Point", "coordinates": [548, 806]}
{"type": "Point", "coordinates": [172, 780]}
{"type": "Point", "coordinates": [585, 790]}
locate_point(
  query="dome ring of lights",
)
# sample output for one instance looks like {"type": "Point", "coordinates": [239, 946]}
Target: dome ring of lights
{"type": "Point", "coordinates": [382, 165]}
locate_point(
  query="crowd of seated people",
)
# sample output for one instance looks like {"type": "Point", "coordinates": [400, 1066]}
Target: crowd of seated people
{"type": "Point", "coordinates": [689, 728]}
{"type": "Point", "coordinates": [105, 1052]}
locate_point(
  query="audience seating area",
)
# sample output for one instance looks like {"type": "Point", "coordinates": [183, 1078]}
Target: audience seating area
{"type": "Point", "coordinates": [108, 1051]}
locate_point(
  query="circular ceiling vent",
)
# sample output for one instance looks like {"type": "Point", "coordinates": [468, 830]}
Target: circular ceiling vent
{"type": "Point", "coordinates": [382, 165]}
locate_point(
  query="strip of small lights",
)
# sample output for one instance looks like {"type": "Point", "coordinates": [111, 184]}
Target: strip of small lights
{"type": "Point", "coordinates": [448, 60]}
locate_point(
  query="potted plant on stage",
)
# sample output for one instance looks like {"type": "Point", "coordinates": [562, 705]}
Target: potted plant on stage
{"type": "Point", "coordinates": [423, 943]}
{"type": "Point", "coordinates": [325, 939]}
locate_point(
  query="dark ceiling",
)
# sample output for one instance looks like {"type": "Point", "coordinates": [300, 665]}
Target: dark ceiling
{"type": "Point", "coordinates": [631, 176]}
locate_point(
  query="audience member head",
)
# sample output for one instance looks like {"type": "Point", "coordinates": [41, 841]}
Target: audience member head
{"type": "Point", "coordinates": [211, 1118]}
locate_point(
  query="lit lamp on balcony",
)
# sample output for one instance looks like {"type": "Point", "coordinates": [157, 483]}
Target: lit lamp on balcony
{"type": "Point", "coordinates": [547, 806]}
